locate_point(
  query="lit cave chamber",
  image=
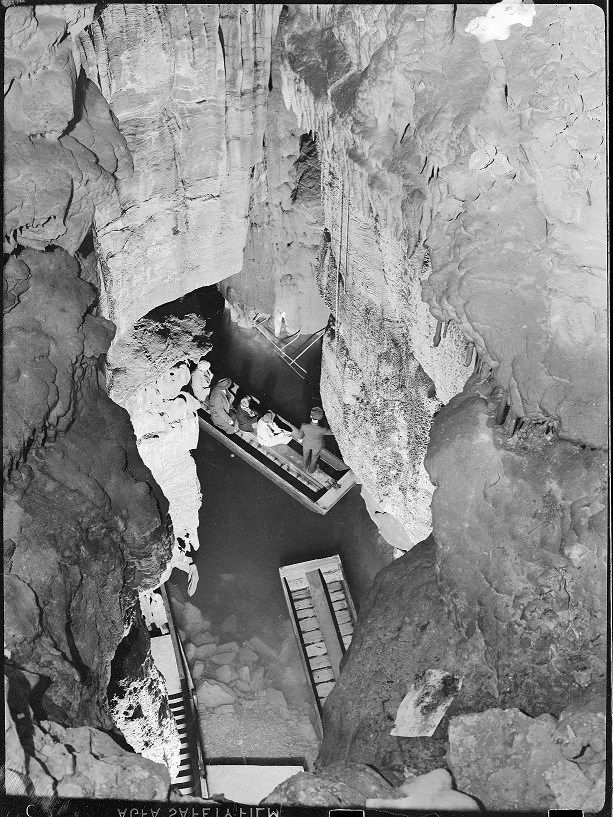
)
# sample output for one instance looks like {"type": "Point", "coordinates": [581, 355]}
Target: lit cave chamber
{"type": "Point", "coordinates": [386, 226]}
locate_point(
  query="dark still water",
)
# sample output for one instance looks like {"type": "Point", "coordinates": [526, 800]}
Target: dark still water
{"type": "Point", "coordinates": [249, 528]}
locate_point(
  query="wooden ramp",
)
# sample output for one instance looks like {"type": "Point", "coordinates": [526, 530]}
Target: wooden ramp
{"type": "Point", "coordinates": [323, 618]}
{"type": "Point", "coordinates": [169, 659]}
{"type": "Point", "coordinates": [282, 464]}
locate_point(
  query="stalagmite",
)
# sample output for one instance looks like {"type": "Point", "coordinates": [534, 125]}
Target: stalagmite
{"type": "Point", "coordinates": [469, 354]}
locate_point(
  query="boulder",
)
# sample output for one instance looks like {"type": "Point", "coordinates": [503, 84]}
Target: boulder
{"type": "Point", "coordinates": [231, 646]}
{"type": "Point", "coordinates": [223, 658]}
{"type": "Point", "coordinates": [200, 639]}
{"type": "Point", "coordinates": [204, 652]}
{"type": "Point", "coordinates": [225, 674]}
{"type": "Point", "coordinates": [244, 674]}
{"type": "Point", "coordinates": [198, 669]}
{"type": "Point", "coordinates": [257, 679]}
{"type": "Point", "coordinates": [261, 648]}
{"type": "Point", "coordinates": [247, 656]}
{"type": "Point", "coordinates": [213, 693]}
{"type": "Point", "coordinates": [242, 685]}
{"type": "Point", "coordinates": [276, 699]}
{"type": "Point", "coordinates": [193, 620]}
{"type": "Point", "coordinates": [190, 651]}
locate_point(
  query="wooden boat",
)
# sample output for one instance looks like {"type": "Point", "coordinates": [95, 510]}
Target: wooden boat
{"type": "Point", "coordinates": [323, 619]}
{"type": "Point", "coordinates": [282, 464]}
{"type": "Point", "coordinates": [169, 658]}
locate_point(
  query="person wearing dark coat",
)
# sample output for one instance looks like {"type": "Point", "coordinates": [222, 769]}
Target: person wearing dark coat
{"type": "Point", "coordinates": [245, 417]}
{"type": "Point", "coordinates": [312, 438]}
{"type": "Point", "coordinates": [219, 406]}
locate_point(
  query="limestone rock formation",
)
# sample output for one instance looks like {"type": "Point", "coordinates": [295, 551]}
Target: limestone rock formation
{"type": "Point", "coordinates": [285, 222]}
{"type": "Point", "coordinates": [338, 785]}
{"type": "Point", "coordinates": [516, 763]}
{"type": "Point", "coordinates": [75, 762]}
{"type": "Point", "coordinates": [429, 140]}
{"type": "Point", "coordinates": [63, 151]}
{"type": "Point", "coordinates": [188, 85]}
{"type": "Point", "coordinates": [520, 525]}
{"type": "Point", "coordinates": [84, 522]}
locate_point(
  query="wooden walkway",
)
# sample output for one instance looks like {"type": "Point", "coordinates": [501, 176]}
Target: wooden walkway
{"type": "Point", "coordinates": [169, 659]}
{"type": "Point", "coordinates": [323, 618]}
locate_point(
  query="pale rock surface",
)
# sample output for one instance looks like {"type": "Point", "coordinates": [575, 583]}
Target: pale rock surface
{"type": "Point", "coordinates": [189, 93]}
{"type": "Point", "coordinates": [279, 274]}
{"type": "Point", "coordinates": [515, 763]}
{"type": "Point", "coordinates": [444, 161]}
{"type": "Point", "coordinates": [61, 161]}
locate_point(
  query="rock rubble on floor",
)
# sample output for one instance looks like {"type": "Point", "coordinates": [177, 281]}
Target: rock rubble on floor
{"type": "Point", "coordinates": [240, 676]}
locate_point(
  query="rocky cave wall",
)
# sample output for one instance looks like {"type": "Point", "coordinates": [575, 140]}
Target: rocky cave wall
{"type": "Point", "coordinates": [85, 524]}
{"type": "Point", "coordinates": [463, 197]}
{"type": "Point", "coordinates": [491, 157]}
{"type": "Point", "coordinates": [279, 271]}
{"type": "Point", "coordinates": [188, 85]}
{"type": "Point", "coordinates": [474, 168]}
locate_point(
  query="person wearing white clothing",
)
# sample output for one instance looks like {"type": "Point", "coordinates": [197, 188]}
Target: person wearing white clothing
{"type": "Point", "coordinates": [269, 433]}
{"type": "Point", "coordinates": [201, 380]}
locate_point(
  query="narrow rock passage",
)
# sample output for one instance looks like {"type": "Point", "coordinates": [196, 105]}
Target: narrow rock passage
{"type": "Point", "coordinates": [248, 529]}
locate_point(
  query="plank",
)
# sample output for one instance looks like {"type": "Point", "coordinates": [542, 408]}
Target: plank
{"type": "Point", "coordinates": [306, 612]}
{"type": "Point", "coordinates": [313, 637]}
{"type": "Point", "coordinates": [335, 587]}
{"type": "Point", "coordinates": [317, 649]}
{"type": "Point", "coordinates": [304, 604]}
{"type": "Point", "coordinates": [343, 616]}
{"type": "Point", "coordinates": [321, 675]}
{"type": "Point", "coordinates": [340, 605]}
{"type": "Point", "coordinates": [319, 662]}
{"type": "Point", "coordinates": [299, 594]}
{"type": "Point", "coordinates": [337, 595]}
{"type": "Point", "coordinates": [346, 629]}
{"type": "Point", "coordinates": [308, 624]}
{"type": "Point", "coordinates": [324, 617]}
{"type": "Point", "coordinates": [323, 690]}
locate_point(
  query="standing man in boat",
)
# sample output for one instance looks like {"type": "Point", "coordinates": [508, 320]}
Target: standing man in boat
{"type": "Point", "coordinates": [312, 438]}
{"type": "Point", "coordinates": [219, 406]}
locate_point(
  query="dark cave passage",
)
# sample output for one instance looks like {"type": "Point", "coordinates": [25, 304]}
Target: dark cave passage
{"type": "Point", "coordinates": [249, 528]}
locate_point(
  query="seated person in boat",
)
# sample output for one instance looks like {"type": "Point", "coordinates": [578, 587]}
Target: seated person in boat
{"type": "Point", "coordinates": [269, 433]}
{"type": "Point", "coordinates": [201, 380]}
{"type": "Point", "coordinates": [312, 438]}
{"type": "Point", "coordinates": [220, 406]}
{"type": "Point", "coordinates": [245, 416]}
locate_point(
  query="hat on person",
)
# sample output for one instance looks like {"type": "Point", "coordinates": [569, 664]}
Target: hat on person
{"type": "Point", "coordinates": [317, 413]}
{"type": "Point", "coordinates": [224, 383]}
{"type": "Point", "coordinates": [268, 416]}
